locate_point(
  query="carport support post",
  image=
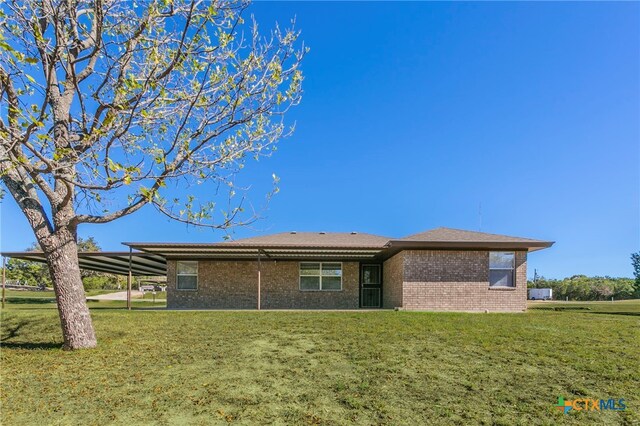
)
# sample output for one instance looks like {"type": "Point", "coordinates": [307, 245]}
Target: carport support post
{"type": "Point", "coordinates": [259, 278]}
{"type": "Point", "coordinates": [129, 279]}
{"type": "Point", "coordinates": [4, 277]}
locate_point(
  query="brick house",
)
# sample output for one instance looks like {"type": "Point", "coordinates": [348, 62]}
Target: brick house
{"type": "Point", "coordinates": [442, 269]}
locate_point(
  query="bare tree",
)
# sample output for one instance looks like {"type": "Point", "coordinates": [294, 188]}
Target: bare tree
{"type": "Point", "coordinates": [109, 106]}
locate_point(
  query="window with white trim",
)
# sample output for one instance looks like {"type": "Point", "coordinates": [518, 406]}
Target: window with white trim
{"type": "Point", "coordinates": [321, 276]}
{"type": "Point", "coordinates": [501, 269]}
{"type": "Point", "coordinates": [186, 275]}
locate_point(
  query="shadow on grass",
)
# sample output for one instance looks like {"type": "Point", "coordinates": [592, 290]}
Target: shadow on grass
{"type": "Point", "coordinates": [13, 331]}
{"type": "Point", "coordinates": [633, 314]}
{"type": "Point", "coordinates": [93, 307]}
{"type": "Point", "coordinates": [561, 308]}
{"type": "Point", "coordinates": [30, 345]}
{"type": "Point", "coordinates": [585, 310]}
{"type": "Point", "coordinates": [30, 300]}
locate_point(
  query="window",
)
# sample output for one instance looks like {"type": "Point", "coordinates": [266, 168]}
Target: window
{"type": "Point", "coordinates": [320, 276]}
{"type": "Point", "coordinates": [370, 274]}
{"type": "Point", "coordinates": [187, 276]}
{"type": "Point", "coordinates": [501, 265]}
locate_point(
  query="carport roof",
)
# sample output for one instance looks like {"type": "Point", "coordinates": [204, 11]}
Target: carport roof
{"type": "Point", "coordinates": [112, 262]}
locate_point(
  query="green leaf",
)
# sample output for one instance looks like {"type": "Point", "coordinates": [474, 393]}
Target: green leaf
{"type": "Point", "coordinates": [112, 166]}
{"type": "Point", "coordinates": [6, 46]}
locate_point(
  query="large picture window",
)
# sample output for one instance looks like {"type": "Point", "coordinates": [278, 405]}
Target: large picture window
{"type": "Point", "coordinates": [320, 276]}
{"type": "Point", "coordinates": [187, 275]}
{"type": "Point", "coordinates": [501, 268]}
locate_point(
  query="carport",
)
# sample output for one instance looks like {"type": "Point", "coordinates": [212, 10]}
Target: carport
{"type": "Point", "coordinates": [126, 263]}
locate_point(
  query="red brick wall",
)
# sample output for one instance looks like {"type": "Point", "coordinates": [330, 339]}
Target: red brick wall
{"type": "Point", "coordinates": [445, 280]}
{"type": "Point", "coordinates": [451, 280]}
{"type": "Point", "coordinates": [392, 280]}
{"type": "Point", "coordinates": [234, 285]}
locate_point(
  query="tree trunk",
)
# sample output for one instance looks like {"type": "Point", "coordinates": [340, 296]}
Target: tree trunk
{"type": "Point", "coordinates": [61, 252]}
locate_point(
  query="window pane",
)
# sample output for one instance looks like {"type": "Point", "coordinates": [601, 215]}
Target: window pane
{"type": "Point", "coordinates": [331, 270]}
{"type": "Point", "coordinates": [331, 283]}
{"type": "Point", "coordinates": [310, 269]}
{"type": "Point", "coordinates": [371, 274]}
{"type": "Point", "coordinates": [501, 278]}
{"type": "Point", "coordinates": [190, 268]}
{"type": "Point", "coordinates": [500, 260]}
{"type": "Point", "coordinates": [309, 283]}
{"type": "Point", "coordinates": [187, 282]}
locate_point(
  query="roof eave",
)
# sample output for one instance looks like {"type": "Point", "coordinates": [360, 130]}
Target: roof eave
{"type": "Point", "coordinates": [221, 246]}
{"type": "Point", "coordinates": [471, 245]}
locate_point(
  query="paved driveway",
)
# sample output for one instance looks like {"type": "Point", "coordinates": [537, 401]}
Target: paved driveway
{"type": "Point", "coordinates": [119, 295]}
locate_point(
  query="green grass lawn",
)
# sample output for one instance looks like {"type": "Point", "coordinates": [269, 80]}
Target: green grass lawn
{"type": "Point", "coordinates": [156, 366]}
{"type": "Point", "coordinates": [24, 296]}
{"type": "Point", "coordinates": [160, 295]}
{"type": "Point", "coordinates": [47, 294]}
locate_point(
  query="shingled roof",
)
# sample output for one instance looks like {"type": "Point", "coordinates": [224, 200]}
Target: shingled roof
{"type": "Point", "coordinates": [459, 235]}
{"type": "Point", "coordinates": [313, 239]}
{"type": "Point", "coordinates": [449, 238]}
{"type": "Point", "coordinates": [352, 244]}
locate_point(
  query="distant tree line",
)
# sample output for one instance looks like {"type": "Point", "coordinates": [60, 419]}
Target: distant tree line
{"type": "Point", "coordinates": [582, 287]}
{"type": "Point", "coordinates": [635, 262]}
{"type": "Point", "coordinates": [37, 274]}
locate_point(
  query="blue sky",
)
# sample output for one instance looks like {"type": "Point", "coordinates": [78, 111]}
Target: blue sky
{"type": "Point", "coordinates": [418, 115]}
